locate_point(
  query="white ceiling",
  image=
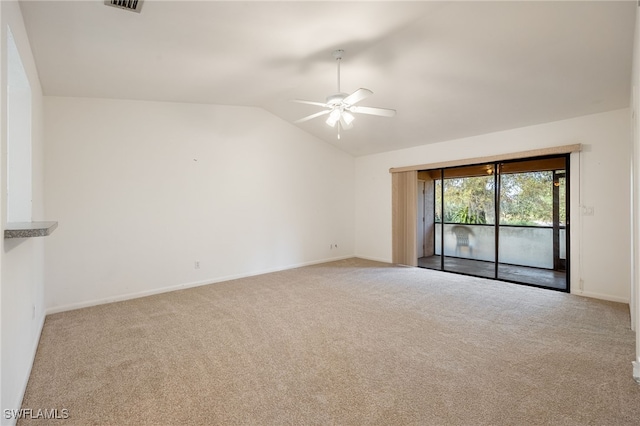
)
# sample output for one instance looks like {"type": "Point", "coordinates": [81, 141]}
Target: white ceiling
{"type": "Point", "coordinates": [450, 69]}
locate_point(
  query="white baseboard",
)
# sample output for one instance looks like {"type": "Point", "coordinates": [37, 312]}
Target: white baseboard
{"type": "Point", "coordinates": [182, 286]}
{"type": "Point", "coordinates": [601, 296]}
{"type": "Point", "coordinates": [636, 370]}
{"type": "Point", "coordinates": [375, 259]}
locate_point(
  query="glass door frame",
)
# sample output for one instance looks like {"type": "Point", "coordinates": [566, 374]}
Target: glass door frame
{"type": "Point", "coordinates": [556, 226]}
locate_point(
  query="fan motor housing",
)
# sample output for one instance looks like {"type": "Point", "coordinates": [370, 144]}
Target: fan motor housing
{"type": "Point", "coordinates": [336, 99]}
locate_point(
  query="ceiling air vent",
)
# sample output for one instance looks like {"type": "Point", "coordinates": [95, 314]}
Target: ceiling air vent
{"type": "Point", "coordinates": [132, 5]}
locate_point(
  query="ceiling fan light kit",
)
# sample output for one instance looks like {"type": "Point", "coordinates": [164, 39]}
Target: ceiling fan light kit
{"type": "Point", "coordinates": [340, 106]}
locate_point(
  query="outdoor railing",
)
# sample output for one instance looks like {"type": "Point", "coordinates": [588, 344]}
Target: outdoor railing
{"type": "Point", "coordinates": [519, 245]}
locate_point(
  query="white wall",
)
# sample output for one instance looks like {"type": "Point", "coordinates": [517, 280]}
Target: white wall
{"type": "Point", "coordinates": [21, 260]}
{"type": "Point", "coordinates": [19, 156]}
{"type": "Point", "coordinates": [142, 190]}
{"type": "Point", "coordinates": [635, 106]}
{"type": "Point", "coordinates": [600, 179]}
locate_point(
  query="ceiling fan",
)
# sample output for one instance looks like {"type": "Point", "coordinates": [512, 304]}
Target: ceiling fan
{"type": "Point", "coordinates": [340, 107]}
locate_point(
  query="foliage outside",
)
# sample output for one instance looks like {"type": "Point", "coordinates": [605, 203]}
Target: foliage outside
{"type": "Point", "coordinates": [525, 199]}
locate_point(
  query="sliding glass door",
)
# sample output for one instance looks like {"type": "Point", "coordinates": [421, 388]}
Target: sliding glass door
{"type": "Point", "coordinates": [502, 220]}
{"type": "Point", "coordinates": [468, 209]}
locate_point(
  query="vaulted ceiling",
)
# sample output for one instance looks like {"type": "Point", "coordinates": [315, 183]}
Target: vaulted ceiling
{"type": "Point", "coordinates": [450, 69]}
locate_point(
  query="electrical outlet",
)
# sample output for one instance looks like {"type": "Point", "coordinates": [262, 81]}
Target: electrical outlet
{"type": "Point", "coordinates": [196, 264]}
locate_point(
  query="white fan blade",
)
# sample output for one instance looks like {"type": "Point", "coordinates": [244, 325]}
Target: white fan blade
{"type": "Point", "coordinates": [383, 112]}
{"type": "Point", "coordinates": [300, 101]}
{"type": "Point", "coordinates": [309, 117]}
{"type": "Point", "coordinates": [357, 96]}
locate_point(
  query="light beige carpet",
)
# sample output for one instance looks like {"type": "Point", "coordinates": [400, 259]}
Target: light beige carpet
{"type": "Point", "coordinates": [352, 342]}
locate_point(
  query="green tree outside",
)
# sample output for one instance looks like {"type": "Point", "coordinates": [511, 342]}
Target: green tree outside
{"type": "Point", "coordinates": [525, 199]}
